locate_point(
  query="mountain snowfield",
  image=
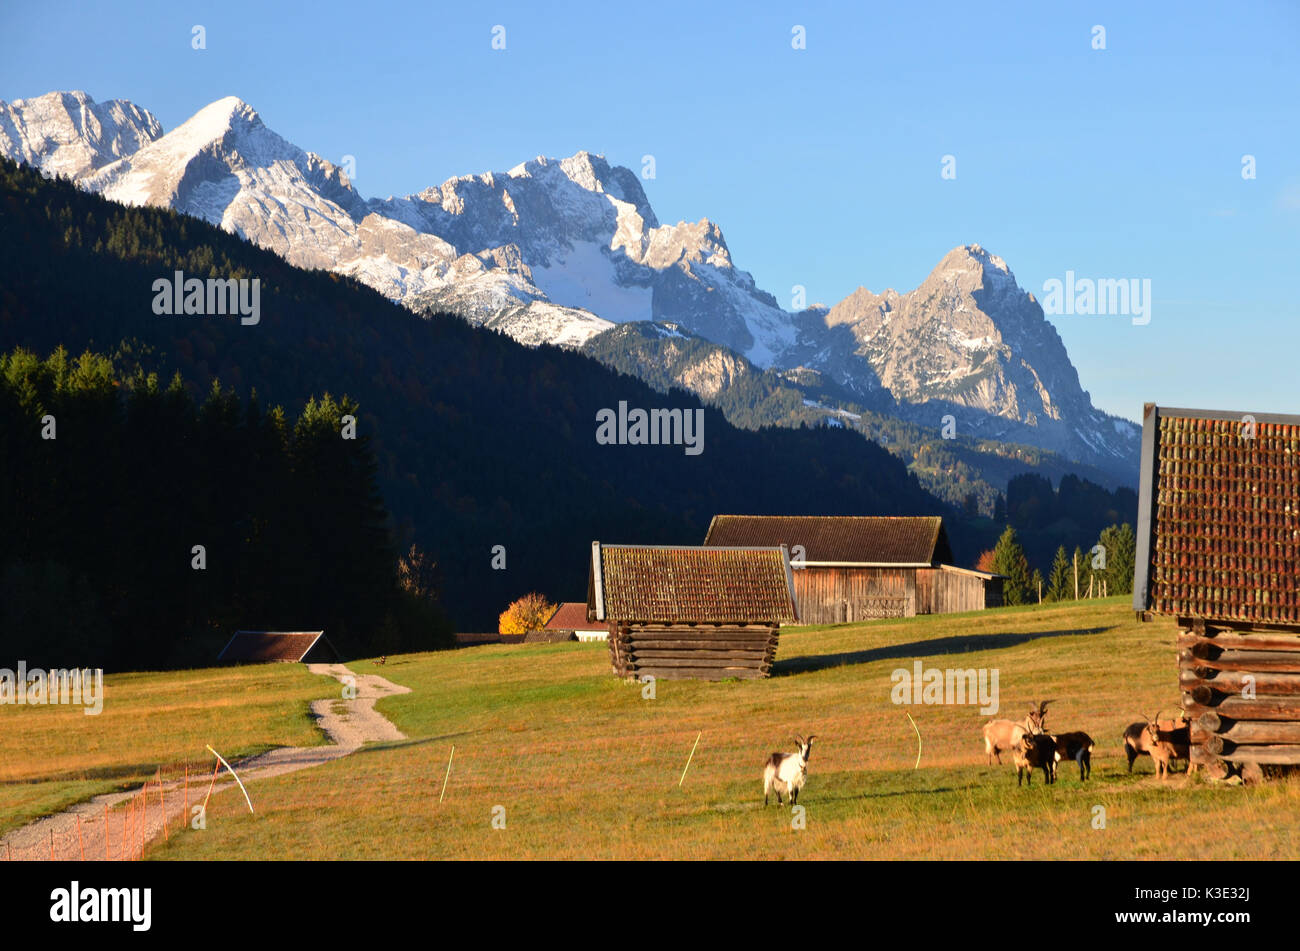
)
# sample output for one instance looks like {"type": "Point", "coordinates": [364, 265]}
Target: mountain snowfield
{"type": "Point", "coordinates": [559, 251]}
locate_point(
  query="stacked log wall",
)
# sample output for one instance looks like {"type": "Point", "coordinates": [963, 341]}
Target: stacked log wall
{"type": "Point", "coordinates": [692, 651]}
{"type": "Point", "coordinates": [1240, 692]}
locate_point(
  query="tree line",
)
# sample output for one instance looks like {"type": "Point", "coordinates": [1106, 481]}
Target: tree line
{"type": "Point", "coordinates": [1105, 569]}
{"type": "Point", "coordinates": [142, 527]}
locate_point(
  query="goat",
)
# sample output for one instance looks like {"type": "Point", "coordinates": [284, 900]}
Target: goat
{"type": "Point", "coordinates": [1002, 735]}
{"type": "Point", "coordinates": [1035, 750]}
{"type": "Point", "coordinates": [1077, 746]}
{"type": "Point", "coordinates": [1161, 745]}
{"type": "Point", "coordinates": [1138, 740]}
{"type": "Point", "coordinates": [381, 662]}
{"type": "Point", "coordinates": [787, 772]}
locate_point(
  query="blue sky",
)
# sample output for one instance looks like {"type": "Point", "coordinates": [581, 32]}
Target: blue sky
{"type": "Point", "coordinates": [822, 165]}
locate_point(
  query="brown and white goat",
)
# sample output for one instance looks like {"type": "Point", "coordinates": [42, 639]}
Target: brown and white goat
{"type": "Point", "coordinates": [1002, 735]}
{"type": "Point", "coordinates": [787, 772]}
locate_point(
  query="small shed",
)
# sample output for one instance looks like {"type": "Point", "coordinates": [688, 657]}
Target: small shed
{"type": "Point", "coordinates": [680, 613]}
{"type": "Point", "coordinates": [572, 616]}
{"type": "Point", "coordinates": [856, 568]}
{"type": "Point", "coordinates": [288, 647]}
{"type": "Point", "coordinates": [1218, 550]}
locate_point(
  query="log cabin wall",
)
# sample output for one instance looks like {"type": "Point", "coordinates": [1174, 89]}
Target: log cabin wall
{"type": "Point", "coordinates": [692, 651]}
{"type": "Point", "coordinates": [1219, 550]}
{"type": "Point", "coordinates": [1240, 692]}
{"type": "Point", "coordinates": [690, 612]}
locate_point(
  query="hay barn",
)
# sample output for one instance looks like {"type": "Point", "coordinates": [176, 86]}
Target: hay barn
{"type": "Point", "coordinates": [681, 613]}
{"type": "Point", "coordinates": [856, 568]}
{"type": "Point", "coordinates": [1218, 550]}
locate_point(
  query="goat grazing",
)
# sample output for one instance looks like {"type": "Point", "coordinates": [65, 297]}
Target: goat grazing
{"type": "Point", "coordinates": [1002, 735]}
{"type": "Point", "coordinates": [787, 772]}
{"type": "Point", "coordinates": [1035, 750]}
{"type": "Point", "coordinates": [1077, 746]}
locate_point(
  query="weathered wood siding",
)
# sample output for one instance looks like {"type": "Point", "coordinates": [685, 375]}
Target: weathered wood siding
{"type": "Point", "coordinates": [835, 595]}
{"type": "Point", "coordinates": [692, 651]}
{"type": "Point", "coordinates": [946, 592]}
{"type": "Point", "coordinates": [828, 595]}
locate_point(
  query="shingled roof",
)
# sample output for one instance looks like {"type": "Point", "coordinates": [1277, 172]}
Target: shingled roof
{"type": "Point", "coordinates": [842, 540]}
{"type": "Point", "coordinates": [262, 647]}
{"type": "Point", "coordinates": [571, 616]}
{"type": "Point", "coordinates": [669, 585]}
{"type": "Point", "coordinates": [1219, 516]}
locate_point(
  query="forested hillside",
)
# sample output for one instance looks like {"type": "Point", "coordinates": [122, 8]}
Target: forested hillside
{"type": "Point", "coordinates": [479, 442]}
{"type": "Point", "coordinates": [142, 528]}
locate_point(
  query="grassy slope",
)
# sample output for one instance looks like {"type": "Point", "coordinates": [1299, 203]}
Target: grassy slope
{"type": "Point", "coordinates": [53, 756]}
{"type": "Point", "coordinates": [586, 768]}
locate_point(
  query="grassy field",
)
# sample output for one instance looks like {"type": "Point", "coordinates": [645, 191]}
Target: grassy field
{"type": "Point", "coordinates": [582, 766]}
{"type": "Point", "coordinates": [53, 756]}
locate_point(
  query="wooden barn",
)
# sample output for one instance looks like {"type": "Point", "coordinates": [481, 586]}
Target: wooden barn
{"type": "Point", "coordinates": [1218, 550]}
{"type": "Point", "coordinates": [855, 568]}
{"type": "Point", "coordinates": [683, 613]}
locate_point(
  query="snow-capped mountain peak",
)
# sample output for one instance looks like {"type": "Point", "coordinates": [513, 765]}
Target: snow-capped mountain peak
{"type": "Point", "coordinates": [559, 250]}
{"type": "Point", "coordinates": [69, 134]}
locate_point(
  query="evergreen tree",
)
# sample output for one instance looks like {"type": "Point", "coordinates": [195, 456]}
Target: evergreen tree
{"type": "Point", "coordinates": [1060, 584]}
{"type": "Point", "coordinates": [1120, 544]}
{"type": "Point", "coordinates": [1009, 559]}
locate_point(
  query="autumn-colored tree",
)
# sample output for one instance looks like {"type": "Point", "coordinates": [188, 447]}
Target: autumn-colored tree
{"type": "Point", "coordinates": [529, 613]}
{"type": "Point", "coordinates": [985, 562]}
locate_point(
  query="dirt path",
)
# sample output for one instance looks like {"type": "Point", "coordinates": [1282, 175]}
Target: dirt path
{"type": "Point", "coordinates": [120, 825]}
